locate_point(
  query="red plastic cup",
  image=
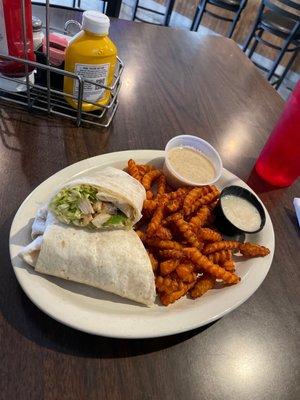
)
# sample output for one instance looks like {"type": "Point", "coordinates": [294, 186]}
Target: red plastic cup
{"type": "Point", "coordinates": [279, 161]}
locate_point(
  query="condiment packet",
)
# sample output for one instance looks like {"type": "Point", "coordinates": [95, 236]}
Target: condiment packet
{"type": "Point", "coordinates": [297, 208]}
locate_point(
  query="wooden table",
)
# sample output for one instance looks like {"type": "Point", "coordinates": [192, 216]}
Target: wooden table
{"type": "Point", "coordinates": [175, 82]}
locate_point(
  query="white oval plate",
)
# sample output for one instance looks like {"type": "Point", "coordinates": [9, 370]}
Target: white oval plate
{"type": "Point", "coordinates": [100, 313]}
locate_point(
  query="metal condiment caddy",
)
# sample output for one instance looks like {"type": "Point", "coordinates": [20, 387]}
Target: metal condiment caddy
{"type": "Point", "coordinates": [37, 97]}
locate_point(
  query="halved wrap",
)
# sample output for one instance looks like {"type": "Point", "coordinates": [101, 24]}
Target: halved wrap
{"type": "Point", "coordinates": [112, 199]}
{"type": "Point", "coordinates": [115, 260]}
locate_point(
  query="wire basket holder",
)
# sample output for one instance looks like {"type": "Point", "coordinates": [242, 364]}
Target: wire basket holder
{"type": "Point", "coordinates": [47, 99]}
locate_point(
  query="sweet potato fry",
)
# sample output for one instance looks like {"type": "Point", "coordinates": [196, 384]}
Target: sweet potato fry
{"type": "Point", "coordinates": [168, 266]}
{"type": "Point", "coordinates": [203, 284]}
{"type": "Point", "coordinates": [192, 196]}
{"type": "Point", "coordinates": [213, 269]}
{"type": "Point", "coordinates": [169, 298]}
{"type": "Point", "coordinates": [149, 195]}
{"type": "Point", "coordinates": [186, 231]}
{"type": "Point", "coordinates": [200, 218]}
{"type": "Point", "coordinates": [219, 257]}
{"type": "Point", "coordinates": [144, 168]}
{"type": "Point", "coordinates": [149, 207]}
{"type": "Point", "coordinates": [161, 184]}
{"type": "Point", "coordinates": [149, 178]}
{"type": "Point", "coordinates": [229, 265]}
{"type": "Point", "coordinates": [164, 244]}
{"type": "Point", "coordinates": [174, 205]}
{"type": "Point", "coordinates": [166, 284]}
{"type": "Point", "coordinates": [133, 170]}
{"type": "Point", "coordinates": [171, 218]}
{"type": "Point", "coordinates": [153, 261]}
{"type": "Point", "coordinates": [253, 250]}
{"type": "Point", "coordinates": [141, 235]}
{"type": "Point", "coordinates": [155, 221]}
{"type": "Point", "coordinates": [205, 200]}
{"type": "Point", "coordinates": [185, 272]}
{"type": "Point", "coordinates": [222, 245]}
{"type": "Point", "coordinates": [163, 233]}
{"type": "Point", "coordinates": [209, 235]}
{"type": "Point", "coordinates": [166, 254]}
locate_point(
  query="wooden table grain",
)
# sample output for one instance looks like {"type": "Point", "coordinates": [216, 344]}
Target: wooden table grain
{"type": "Point", "coordinates": [175, 82]}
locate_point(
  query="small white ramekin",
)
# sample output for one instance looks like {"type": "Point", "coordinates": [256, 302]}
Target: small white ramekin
{"type": "Point", "coordinates": [201, 145]}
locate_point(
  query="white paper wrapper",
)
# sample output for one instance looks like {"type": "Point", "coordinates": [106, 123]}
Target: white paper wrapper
{"type": "Point", "coordinates": [297, 208]}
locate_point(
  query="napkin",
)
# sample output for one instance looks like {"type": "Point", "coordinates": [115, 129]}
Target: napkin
{"type": "Point", "coordinates": [297, 208]}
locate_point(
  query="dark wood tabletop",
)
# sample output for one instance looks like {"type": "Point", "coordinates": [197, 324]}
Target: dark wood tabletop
{"type": "Point", "coordinates": [174, 82]}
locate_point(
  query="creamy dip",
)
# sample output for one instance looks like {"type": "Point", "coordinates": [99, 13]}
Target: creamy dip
{"type": "Point", "coordinates": [191, 164]}
{"type": "Point", "coordinates": [243, 214]}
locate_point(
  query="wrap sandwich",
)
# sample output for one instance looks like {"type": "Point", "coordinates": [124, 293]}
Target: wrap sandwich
{"type": "Point", "coordinates": [113, 260]}
{"type": "Point", "coordinates": [112, 199]}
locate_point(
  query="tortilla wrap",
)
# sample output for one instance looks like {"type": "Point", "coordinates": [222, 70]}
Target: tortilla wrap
{"type": "Point", "coordinates": [115, 186]}
{"type": "Point", "coordinates": [115, 261]}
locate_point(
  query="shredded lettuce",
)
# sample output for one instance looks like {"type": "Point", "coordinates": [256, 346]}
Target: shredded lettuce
{"type": "Point", "coordinates": [65, 206]}
{"type": "Point", "coordinates": [118, 219]}
{"type": "Point", "coordinates": [65, 203]}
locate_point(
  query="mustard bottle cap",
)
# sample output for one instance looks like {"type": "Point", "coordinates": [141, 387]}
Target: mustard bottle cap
{"type": "Point", "coordinates": [95, 22]}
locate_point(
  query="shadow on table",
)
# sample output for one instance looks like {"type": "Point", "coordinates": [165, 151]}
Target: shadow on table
{"type": "Point", "coordinates": [36, 326]}
{"type": "Point", "coordinates": [258, 184]}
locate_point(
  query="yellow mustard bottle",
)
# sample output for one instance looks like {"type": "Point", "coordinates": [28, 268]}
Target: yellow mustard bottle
{"type": "Point", "coordinates": [92, 55]}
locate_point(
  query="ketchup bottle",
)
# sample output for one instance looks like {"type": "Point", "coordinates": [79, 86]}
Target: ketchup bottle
{"type": "Point", "coordinates": [11, 36]}
{"type": "Point", "coordinates": [279, 161]}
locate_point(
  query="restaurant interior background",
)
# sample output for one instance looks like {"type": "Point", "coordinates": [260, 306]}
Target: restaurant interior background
{"type": "Point", "coordinates": [182, 17]}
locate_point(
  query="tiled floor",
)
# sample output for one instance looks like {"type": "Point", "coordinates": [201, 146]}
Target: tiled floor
{"type": "Point", "coordinates": [178, 21]}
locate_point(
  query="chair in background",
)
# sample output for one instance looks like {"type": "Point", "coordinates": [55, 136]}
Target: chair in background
{"type": "Point", "coordinates": [284, 24]}
{"type": "Point", "coordinates": [167, 14]}
{"type": "Point", "coordinates": [235, 6]}
{"type": "Point", "coordinates": [77, 4]}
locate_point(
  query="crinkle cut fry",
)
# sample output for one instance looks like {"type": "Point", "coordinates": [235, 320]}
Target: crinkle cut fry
{"type": "Point", "coordinates": [169, 298]}
{"type": "Point", "coordinates": [206, 199]}
{"type": "Point", "coordinates": [220, 257]}
{"type": "Point", "coordinates": [149, 178]}
{"type": "Point", "coordinates": [133, 170]}
{"type": "Point", "coordinates": [174, 205]}
{"type": "Point", "coordinates": [222, 245]}
{"type": "Point", "coordinates": [161, 185]}
{"type": "Point", "coordinates": [164, 244]}
{"type": "Point", "coordinates": [203, 285]}
{"type": "Point", "coordinates": [155, 221]}
{"type": "Point", "coordinates": [200, 218]}
{"type": "Point", "coordinates": [229, 265]}
{"type": "Point", "coordinates": [166, 284]}
{"type": "Point", "coordinates": [144, 168]}
{"type": "Point", "coordinates": [153, 261]}
{"type": "Point", "coordinates": [149, 195]}
{"type": "Point", "coordinates": [168, 266]}
{"type": "Point", "coordinates": [209, 235]}
{"type": "Point", "coordinates": [213, 269]}
{"type": "Point", "coordinates": [253, 250]}
{"type": "Point", "coordinates": [185, 271]}
{"type": "Point", "coordinates": [163, 233]}
{"type": "Point", "coordinates": [141, 235]}
{"type": "Point", "coordinates": [166, 254]}
{"type": "Point", "coordinates": [186, 231]}
{"type": "Point", "coordinates": [149, 207]}
{"type": "Point", "coordinates": [192, 196]}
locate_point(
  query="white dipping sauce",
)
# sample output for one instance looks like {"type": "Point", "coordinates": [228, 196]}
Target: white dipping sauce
{"type": "Point", "coordinates": [191, 164]}
{"type": "Point", "coordinates": [241, 213]}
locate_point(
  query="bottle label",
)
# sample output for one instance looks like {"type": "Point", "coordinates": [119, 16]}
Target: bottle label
{"type": "Point", "coordinates": [3, 37]}
{"type": "Point", "coordinates": [97, 73]}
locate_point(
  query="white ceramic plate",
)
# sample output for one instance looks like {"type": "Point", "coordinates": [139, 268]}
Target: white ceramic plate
{"type": "Point", "coordinates": [97, 312]}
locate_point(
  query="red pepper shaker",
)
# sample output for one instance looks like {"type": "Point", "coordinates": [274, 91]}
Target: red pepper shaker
{"type": "Point", "coordinates": [279, 161]}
